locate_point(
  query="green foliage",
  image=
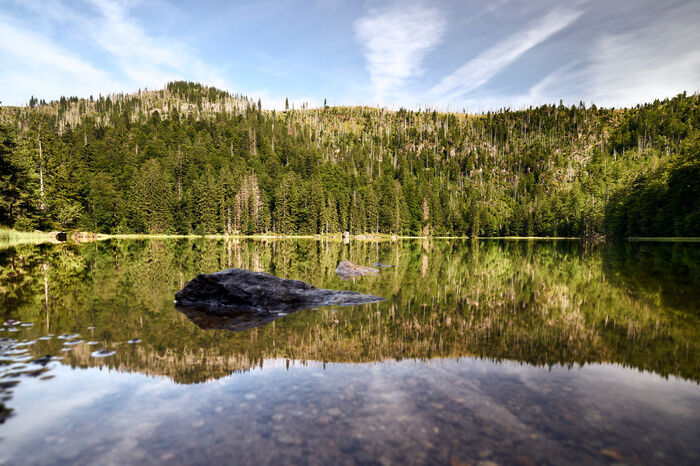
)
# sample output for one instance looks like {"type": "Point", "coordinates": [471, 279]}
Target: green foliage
{"type": "Point", "coordinates": [17, 183]}
{"type": "Point", "coordinates": [664, 201]}
{"type": "Point", "coordinates": [194, 159]}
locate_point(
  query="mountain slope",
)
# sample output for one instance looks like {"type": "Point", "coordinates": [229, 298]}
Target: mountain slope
{"type": "Point", "coordinates": [191, 158]}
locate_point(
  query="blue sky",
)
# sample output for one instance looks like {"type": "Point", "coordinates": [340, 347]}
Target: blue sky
{"type": "Point", "coordinates": [473, 55]}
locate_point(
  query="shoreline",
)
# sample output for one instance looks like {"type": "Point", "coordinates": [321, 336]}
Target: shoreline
{"type": "Point", "coordinates": [9, 237]}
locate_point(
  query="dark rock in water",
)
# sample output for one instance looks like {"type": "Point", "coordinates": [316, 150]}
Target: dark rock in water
{"type": "Point", "coordinates": [237, 299]}
{"type": "Point", "coordinates": [347, 269]}
{"type": "Point", "coordinates": [382, 265]}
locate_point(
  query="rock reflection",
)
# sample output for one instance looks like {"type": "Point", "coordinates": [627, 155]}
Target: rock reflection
{"type": "Point", "coordinates": [233, 322]}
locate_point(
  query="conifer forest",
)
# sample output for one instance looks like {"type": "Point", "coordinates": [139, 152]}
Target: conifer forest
{"type": "Point", "coordinates": [191, 159]}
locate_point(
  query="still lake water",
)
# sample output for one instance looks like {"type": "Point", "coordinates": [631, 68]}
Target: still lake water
{"type": "Point", "coordinates": [484, 352]}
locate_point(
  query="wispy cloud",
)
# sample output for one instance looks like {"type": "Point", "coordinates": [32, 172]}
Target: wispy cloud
{"type": "Point", "coordinates": [481, 69]}
{"type": "Point", "coordinates": [129, 57]}
{"type": "Point", "coordinates": [395, 41]}
{"type": "Point", "coordinates": [40, 67]}
{"type": "Point", "coordinates": [551, 88]}
{"type": "Point", "coordinates": [271, 101]}
{"type": "Point", "coordinates": [143, 58]}
{"type": "Point", "coordinates": [615, 53]}
{"type": "Point", "coordinates": [657, 61]}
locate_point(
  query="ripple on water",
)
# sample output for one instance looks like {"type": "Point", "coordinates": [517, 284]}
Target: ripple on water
{"type": "Point", "coordinates": [25, 343]}
{"type": "Point", "coordinates": [73, 342]}
{"type": "Point", "coordinates": [102, 353]}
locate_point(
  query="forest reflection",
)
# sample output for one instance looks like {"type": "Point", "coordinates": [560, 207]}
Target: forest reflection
{"type": "Point", "coordinates": [540, 303]}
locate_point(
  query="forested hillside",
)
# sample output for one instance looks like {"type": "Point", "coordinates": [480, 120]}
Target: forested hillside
{"type": "Point", "coordinates": [194, 159]}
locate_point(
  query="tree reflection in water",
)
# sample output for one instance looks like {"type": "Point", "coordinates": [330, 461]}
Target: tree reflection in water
{"type": "Point", "coordinates": [543, 303]}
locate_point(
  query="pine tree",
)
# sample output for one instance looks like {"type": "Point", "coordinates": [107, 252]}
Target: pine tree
{"type": "Point", "coordinates": [151, 201]}
{"type": "Point", "coordinates": [18, 184]}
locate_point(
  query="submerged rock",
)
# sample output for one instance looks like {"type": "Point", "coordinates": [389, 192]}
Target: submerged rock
{"type": "Point", "coordinates": [248, 299]}
{"type": "Point", "coordinates": [347, 269]}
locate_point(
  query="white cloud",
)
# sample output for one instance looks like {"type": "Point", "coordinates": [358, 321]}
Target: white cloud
{"type": "Point", "coordinates": [129, 57]}
{"type": "Point", "coordinates": [395, 41]}
{"type": "Point", "coordinates": [147, 60]}
{"type": "Point", "coordinates": [550, 89]}
{"type": "Point", "coordinates": [488, 63]}
{"type": "Point", "coordinates": [275, 102]}
{"type": "Point", "coordinates": [40, 67]}
{"type": "Point", "coordinates": [660, 60]}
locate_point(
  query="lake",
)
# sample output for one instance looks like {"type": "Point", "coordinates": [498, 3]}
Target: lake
{"type": "Point", "coordinates": [484, 352]}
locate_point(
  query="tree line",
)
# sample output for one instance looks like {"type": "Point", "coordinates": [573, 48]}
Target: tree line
{"type": "Point", "coordinates": [194, 159]}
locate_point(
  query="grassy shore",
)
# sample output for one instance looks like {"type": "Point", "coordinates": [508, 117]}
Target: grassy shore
{"type": "Point", "coordinates": [9, 237]}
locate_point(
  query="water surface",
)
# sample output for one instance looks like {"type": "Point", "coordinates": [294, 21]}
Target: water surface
{"type": "Point", "coordinates": [486, 352]}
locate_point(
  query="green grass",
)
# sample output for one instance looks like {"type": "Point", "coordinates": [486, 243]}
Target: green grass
{"type": "Point", "coordinates": [9, 237]}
